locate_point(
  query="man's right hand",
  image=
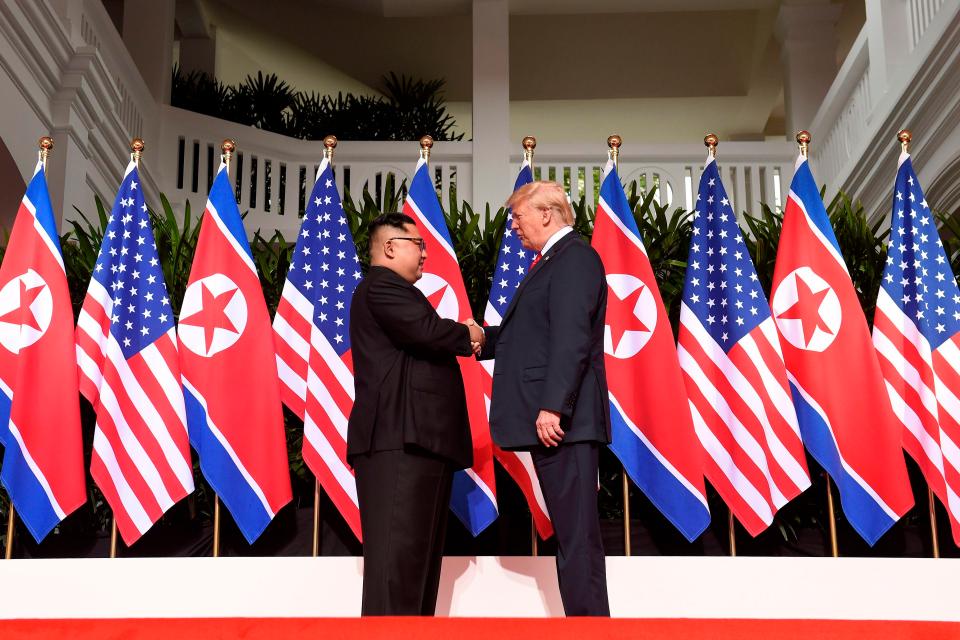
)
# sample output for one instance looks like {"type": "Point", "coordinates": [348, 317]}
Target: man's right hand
{"type": "Point", "coordinates": [477, 336]}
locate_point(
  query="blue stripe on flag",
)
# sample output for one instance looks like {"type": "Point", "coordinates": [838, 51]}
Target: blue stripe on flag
{"type": "Point", "coordinates": [423, 193]}
{"type": "Point", "coordinates": [611, 191]}
{"type": "Point", "coordinates": [223, 475]}
{"type": "Point", "coordinates": [806, 189]}
{"type": "Point", "coordinates": [471, 504]}
{"type": "Point", "coordinates": [224, 201]}
{"type": "Point", "coordinates": [38, 195]}
{"type": "Point", "coordinates": [861, 509]}
{"type": "Point", "coordinates": [25, 491]}
{"type": "Point", "coordinates": [683, 509]}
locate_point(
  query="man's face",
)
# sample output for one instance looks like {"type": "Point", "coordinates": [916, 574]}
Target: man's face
{"type": "Point", "coordinates": [407, 256]}
{"type": "Point", "coordinates": [528, 223]}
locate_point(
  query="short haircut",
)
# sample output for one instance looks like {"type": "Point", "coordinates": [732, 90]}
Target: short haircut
{"type": "Point", "coordinates": [391, 219]}
{"type": "Point", "coordinates": [543, 194]}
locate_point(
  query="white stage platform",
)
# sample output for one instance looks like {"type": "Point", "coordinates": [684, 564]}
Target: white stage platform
{"type": "Point", "coordinates": [640, 587]}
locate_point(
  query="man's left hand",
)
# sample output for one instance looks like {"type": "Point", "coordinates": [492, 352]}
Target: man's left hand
{"type": "Point", "coordinates": [548, 428]}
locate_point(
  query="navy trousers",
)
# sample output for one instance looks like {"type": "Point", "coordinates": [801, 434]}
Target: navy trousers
{"type": "Point", "coordinates": [568, 478]}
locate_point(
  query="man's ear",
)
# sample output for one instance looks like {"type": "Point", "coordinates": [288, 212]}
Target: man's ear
{"type": "Point", "coordinates": [388, 249]}
{"type": "Point", "coordinates": [548, 215]}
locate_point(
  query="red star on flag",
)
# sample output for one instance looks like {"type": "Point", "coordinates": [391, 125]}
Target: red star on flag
{"type": "Point", "coordinates": [620, 314]}
{"type": "Point", "coordinates": [807, 310]}
{"type": "Point", "coordinates": [212, 314]}
{"type": "Point", "coordinates": [23, 314]}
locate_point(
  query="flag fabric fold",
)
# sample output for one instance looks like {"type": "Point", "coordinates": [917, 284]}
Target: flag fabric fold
{"type": "Point", "coordinates": [311, 330]}
{"type": "Point", "coordinates": [229, 370]}
{"type": "Point", "coordinates": [826, 344]}
{"type": "Point", "coordinates": [916, 332]}
{"type": "Point", "coordinates": [39, 389]}
{"type": "Point", "coordinates": [126, 352]}
{"type": "Point", "coordinates": [513, 262]}
{"type": "Point", "coordinates": [474, 498]}
{"type": "Point", "coordinates": [733, 368]}
{"type": "Point", "coordinates": [653, 433]}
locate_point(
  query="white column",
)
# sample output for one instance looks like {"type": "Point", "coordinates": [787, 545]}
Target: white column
{"type": "Point", "coordinates": [148, 34]}
{"type": "Point", "coordinates": [491, 103]}
{"type": "Point", "coordinates": [888, 41]}
{"type": "Point", "coordinates": [199, 54]}
{"type": "Point", "coordinates": [808, 41]}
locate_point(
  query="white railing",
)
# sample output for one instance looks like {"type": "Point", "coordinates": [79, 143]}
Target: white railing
{"type": "Point", "coordinates": [845, 122]}
{"type": "Point", "coordinates": [273, 174]}
{"type": "Point", "coordinates": [922, 13]}
{"type": "Point", "coordinates": [854, 144]}
{"type": "Point", "coordinates": [753, 172]}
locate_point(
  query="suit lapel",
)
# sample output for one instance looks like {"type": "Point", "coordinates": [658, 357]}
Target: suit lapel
{"type": "Point", "coordinates": [537, 268]}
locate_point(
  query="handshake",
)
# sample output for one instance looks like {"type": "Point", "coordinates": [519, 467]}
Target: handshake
{"type": "Point", "coordinates": [477, 336]}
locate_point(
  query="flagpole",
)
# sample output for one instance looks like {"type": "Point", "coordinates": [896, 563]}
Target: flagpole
{"type": "Point", "coordinates": [904, 136]}
{"type": "Point", "coordinates": [614, 142]}
{"type": "Point", "coordinates": [711, 142]}
{"type": "Point", "coordinates": [329, 144]}
{"type": "Point", "coordinates": [803, 138]}
{"type": "Point", "coordinates": [227, 147]}
{"type": "Point", "coordinates": [46, 146]}
{"type": "Point", "coordinates": [136, 152]}
{"type": "Point", "coordinates": [529, 143]}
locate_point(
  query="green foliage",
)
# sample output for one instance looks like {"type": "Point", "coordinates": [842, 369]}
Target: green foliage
{"type": "Point", "coordinates": [409, 109]}
{"type": "Point", "coordinates": [476, 239]}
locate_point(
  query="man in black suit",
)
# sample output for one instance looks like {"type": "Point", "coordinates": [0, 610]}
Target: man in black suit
{"type": "Point", "coordinates": [550, 385]}
{"type": "Point", "coordinates": [408, 430]}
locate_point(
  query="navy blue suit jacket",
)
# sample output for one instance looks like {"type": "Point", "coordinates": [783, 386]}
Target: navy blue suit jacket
{"type": "Point", "coordinates": [549, 350]}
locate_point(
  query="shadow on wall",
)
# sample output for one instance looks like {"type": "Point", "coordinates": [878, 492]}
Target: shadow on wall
{"type": "Point", "coordinates": [11, 191]}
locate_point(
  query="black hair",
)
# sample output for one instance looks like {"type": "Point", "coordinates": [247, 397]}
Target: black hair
{"type": "Point", "coordinates": [392, 219]}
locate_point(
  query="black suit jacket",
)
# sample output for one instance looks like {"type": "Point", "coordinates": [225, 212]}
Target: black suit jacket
{"type": "Point", "coordinates": [549, 350]}
{"type": "Point", "coordinates": [408, 387]}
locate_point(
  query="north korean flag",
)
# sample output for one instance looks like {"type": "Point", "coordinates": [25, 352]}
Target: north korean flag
{"type": "Point", "coordinates": [846, 420]}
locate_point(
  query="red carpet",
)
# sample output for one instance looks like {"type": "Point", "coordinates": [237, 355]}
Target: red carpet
{"type": "Point", "coordinates": [473, 629]}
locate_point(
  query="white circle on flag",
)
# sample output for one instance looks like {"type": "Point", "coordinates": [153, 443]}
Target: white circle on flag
{"type": "Point", "coordinates": [441, 295]}
{"type": "Point", "coordinates": [21, 327]}
{"type": "Point", "coordinates": [807, 310]}
{"type": "Point", "coordinates": [213, 315]}
{"type": "Point", "coordinates": [631, 334]}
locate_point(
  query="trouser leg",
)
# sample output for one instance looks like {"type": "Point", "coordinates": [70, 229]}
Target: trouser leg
{"type": "Point", "coordinates": [403, 500]}
{"type": "Point", "coordinates": [568, 478]}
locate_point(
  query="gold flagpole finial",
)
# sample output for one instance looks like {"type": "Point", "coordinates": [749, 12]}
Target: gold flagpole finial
{"type": "Point", "coordinates": [614, 142]}
{"type": "Point", "coordinates": [46, 146]}
{"type": "Point", "coordinates": [711, 142]}
{"type": "Point", "coordinates": [426, 144]}
{"type": "Point", "coordinates": [329, 144]}
{"type": "Point", "coordinates": [136, 150]}
{"type": "Point", "coordinates": [228, 147]}
{"type": "Point", "coordinates": [904, 136]}
{"type": "Point", "coordinates": [803, 139]}
{"type": "Point", "coordinates": [529, 143]}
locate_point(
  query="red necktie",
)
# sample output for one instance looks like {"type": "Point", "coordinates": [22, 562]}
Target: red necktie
{"type": "Point", "coordinates": [536, 259]}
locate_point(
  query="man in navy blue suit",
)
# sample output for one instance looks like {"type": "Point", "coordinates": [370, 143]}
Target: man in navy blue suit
{"type": "Point", "coordinates": [550, 387]}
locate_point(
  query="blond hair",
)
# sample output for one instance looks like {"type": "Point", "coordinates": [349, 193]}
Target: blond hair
{"type": "Point", "coordinates": [543, 195]}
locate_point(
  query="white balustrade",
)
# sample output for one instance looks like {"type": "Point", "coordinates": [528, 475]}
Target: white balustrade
{"type": "Point", "coordinates": [890, 79]}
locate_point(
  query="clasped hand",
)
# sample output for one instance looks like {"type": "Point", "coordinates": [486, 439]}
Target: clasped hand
{"type": "Point", "coordinates": [477, 336]}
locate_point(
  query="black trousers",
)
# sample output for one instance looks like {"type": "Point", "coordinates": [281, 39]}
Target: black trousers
{"type": "Point", "coordinates": [568, 478]}
{"type": "Point", "coordinates": [404, 501]}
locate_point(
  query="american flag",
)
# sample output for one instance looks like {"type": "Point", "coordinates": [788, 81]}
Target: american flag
{"type": "Point", "coordinates": [313, 341]}
{"type": "Point", "coordinates": [127, 357]}
{"type": "Point", "coordinates": [733, 368]}
{"type": "Point", "coordinates": [916, 332]}
{"type": "Point", "coordinates": [513, 261]}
